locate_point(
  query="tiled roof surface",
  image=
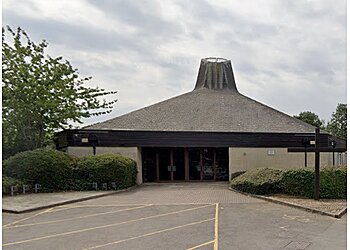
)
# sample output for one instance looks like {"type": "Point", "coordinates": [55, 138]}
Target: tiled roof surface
{"type": "Point", "coordinates": [208, 110]}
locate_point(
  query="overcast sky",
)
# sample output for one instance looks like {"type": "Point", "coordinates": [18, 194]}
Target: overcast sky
{"type": "Point", "coordinates": [290, 55]}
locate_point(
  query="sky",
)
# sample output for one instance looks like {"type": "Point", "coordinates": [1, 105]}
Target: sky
{"type": "Point", "coordinates": [289, 55]}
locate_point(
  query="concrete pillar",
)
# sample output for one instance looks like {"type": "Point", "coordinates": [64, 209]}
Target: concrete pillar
{"type": "Point", "coordinates": [139, 166]}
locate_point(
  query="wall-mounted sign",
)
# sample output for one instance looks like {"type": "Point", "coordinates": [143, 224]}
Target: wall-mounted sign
{"type": "Point", "coordinates": [84, 140]}
{"type": "Point", "coordinates": [171, 168]}
{"type": "Point", "coordinates": [270, 152]}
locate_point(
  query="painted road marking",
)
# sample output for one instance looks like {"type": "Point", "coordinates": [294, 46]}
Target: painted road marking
{"type": "Point", "coordinates": [201, 245]}
{"type": "Point", "coordinates": [76, 218]}
{"type": "Point", "coordinates": [150, 234]}
{"type": "Point", "coordinates": [27, 218]}
{"type": "Point", "coordinates": [216, 232]}
{"type": "Point", "coordinates": [100, 227]}
{"type": "Point", "coordinates": [216, 239]}
{"type": "Point", "coordinates": [66, 207]}
{"type": "Point", "coordinates": [134, 204]}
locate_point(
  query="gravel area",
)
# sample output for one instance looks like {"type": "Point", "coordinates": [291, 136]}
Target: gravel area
{"type": "Point", "coordinates": [326, 205]}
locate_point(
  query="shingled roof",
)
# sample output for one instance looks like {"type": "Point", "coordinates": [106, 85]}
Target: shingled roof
{"type": "Point", "coordinates": [215, 105]}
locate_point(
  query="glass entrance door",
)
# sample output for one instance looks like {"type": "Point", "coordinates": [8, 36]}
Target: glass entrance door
{"type": "Point", "coordinates": [179, 163]}
{"type": "Point", "coordinates": [171, 164]}
{"type": "Point", "coordinates": [202, 164]}
{"type": "Point", "coordinates": [164, 163]}
{"type": "Point", "coordinates": [222, 163]}
{"type": "Point", "coordinates": [195, 165]}
{"type": "Point", "coordinates": [208, 164]}
{"type": "Point", "coordinates": [149, 164]}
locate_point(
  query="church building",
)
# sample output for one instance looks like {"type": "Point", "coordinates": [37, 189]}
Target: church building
{"type": "Point", "coordinates": [203, 135]}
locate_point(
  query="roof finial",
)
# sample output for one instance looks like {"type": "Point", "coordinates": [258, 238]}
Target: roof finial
{"type": "Point", "coordinates": [217, 74]}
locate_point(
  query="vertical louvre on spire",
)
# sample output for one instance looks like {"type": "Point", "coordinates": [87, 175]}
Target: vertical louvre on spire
{"type": "Point", "coordinates": [217, 74]}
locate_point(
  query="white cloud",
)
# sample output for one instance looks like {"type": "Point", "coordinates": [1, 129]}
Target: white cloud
{"type": "Point", "coordinates": [66, 11]}
{"type": "Point", "coordinates": [290, 55]}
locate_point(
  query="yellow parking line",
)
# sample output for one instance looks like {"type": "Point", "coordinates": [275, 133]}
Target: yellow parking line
{"type": "Point", "coordinates": [106, 205]}
{"type": "Point", "coordinates": [149, 234]}
{"type": "Point", "coordinates": [60, 209]}
{"type": "Point", "coordinates": [100, 227]}
{"type": "Point", "coordinates": [27, 218]}
{"type": "Point", "coordinates": [216, 239]}
{"type": "Point", "coordinates": [76, 218]}
{"type": "Point", "coordinates": [133, 204]}
{"type": "Point", "coordinates": [66, 207]}
{"type": "Point", "coordinates": [201, 245]}
{"type": "Point", "coordinates": [182, 204]}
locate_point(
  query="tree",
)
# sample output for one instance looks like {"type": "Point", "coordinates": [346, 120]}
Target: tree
{"type": "Point", "coordinates": [338, 123]}
{"type": "Point", "coordinates": [311, 118]}
{"type": "Point", "coordinates": [41, 94]}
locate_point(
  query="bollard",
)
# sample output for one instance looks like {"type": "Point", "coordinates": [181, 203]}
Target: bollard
{"type": "Point", "coordinates": [104, 186]}
{"type": "Point", "coordinates": [37, 187]}
{"type": "Point", "coordinates": [13, 190]}
{"type": "Point", "coordinates": [114, 185]}
{"type": "Point", "coordinates": [94, 185]}
{"type": "Point", "coordinates": [25, 188]}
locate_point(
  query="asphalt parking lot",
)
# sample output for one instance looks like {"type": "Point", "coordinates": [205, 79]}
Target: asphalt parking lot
{"type": "Point", "coordinates": [173, 216]}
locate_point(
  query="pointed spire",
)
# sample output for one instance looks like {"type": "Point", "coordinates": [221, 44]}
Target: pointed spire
{"type": "Point", "coordinates": [217, 74]}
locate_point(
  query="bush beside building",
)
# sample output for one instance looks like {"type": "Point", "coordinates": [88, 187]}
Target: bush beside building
{"type": "Point", "coordinates": [57, 171]}
{"type": "Point", "coordinates": [297, 182]}
{"type": "Point", "coordinates": [105, 168]}
{"type": "Point", "coordinates": [50, 168]}
{"type": "Point", "coordinates": [259, 181]}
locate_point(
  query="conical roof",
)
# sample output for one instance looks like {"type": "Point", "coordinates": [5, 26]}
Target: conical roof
{"type": "Point", "coordinates": [215, 105]}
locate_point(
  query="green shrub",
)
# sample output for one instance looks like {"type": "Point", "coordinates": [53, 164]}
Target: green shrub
{"type": "Point", "coordinates": [258, 181]}
{"type": "Point", "coordinates": [49, 168]}
{"type": "Point", "coordinates": [333, 183]}
{"type": "Point", "coordinates": [105, 168]}
{"type": "Point", "coordinates": [300, 182]}
{"type": "Point", "coordinates": [7, 182]}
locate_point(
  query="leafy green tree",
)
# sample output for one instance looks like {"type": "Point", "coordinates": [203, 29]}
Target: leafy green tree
{"type": "Point", "coordinates": [311, 118]}
{"type": "Point", "coordinates": [338, 123]}
{"type": "Point", "coordinates": [41, 94]}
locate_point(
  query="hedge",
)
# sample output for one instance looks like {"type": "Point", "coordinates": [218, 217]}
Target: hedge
{"type": "Point", "coordinates": [105, 168]}
{"type": "Point", "coordinates": [333, 183]}
{"type": "Point", "coordinates": [55, 170]}
{"type": "Point", "coordinates": [258, 181]}
{"type": "Point", "coordinates": [297, 182]}
{"type": "Point", "coordinates": [50, 168]}
{"type": "Point", "coordinates": [300, 182]}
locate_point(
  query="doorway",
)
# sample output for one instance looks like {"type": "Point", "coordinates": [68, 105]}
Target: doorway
{"type": "Point", "coordinates": [185, 164]}
{"type": "Point", "coordinates": [208, 164]}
